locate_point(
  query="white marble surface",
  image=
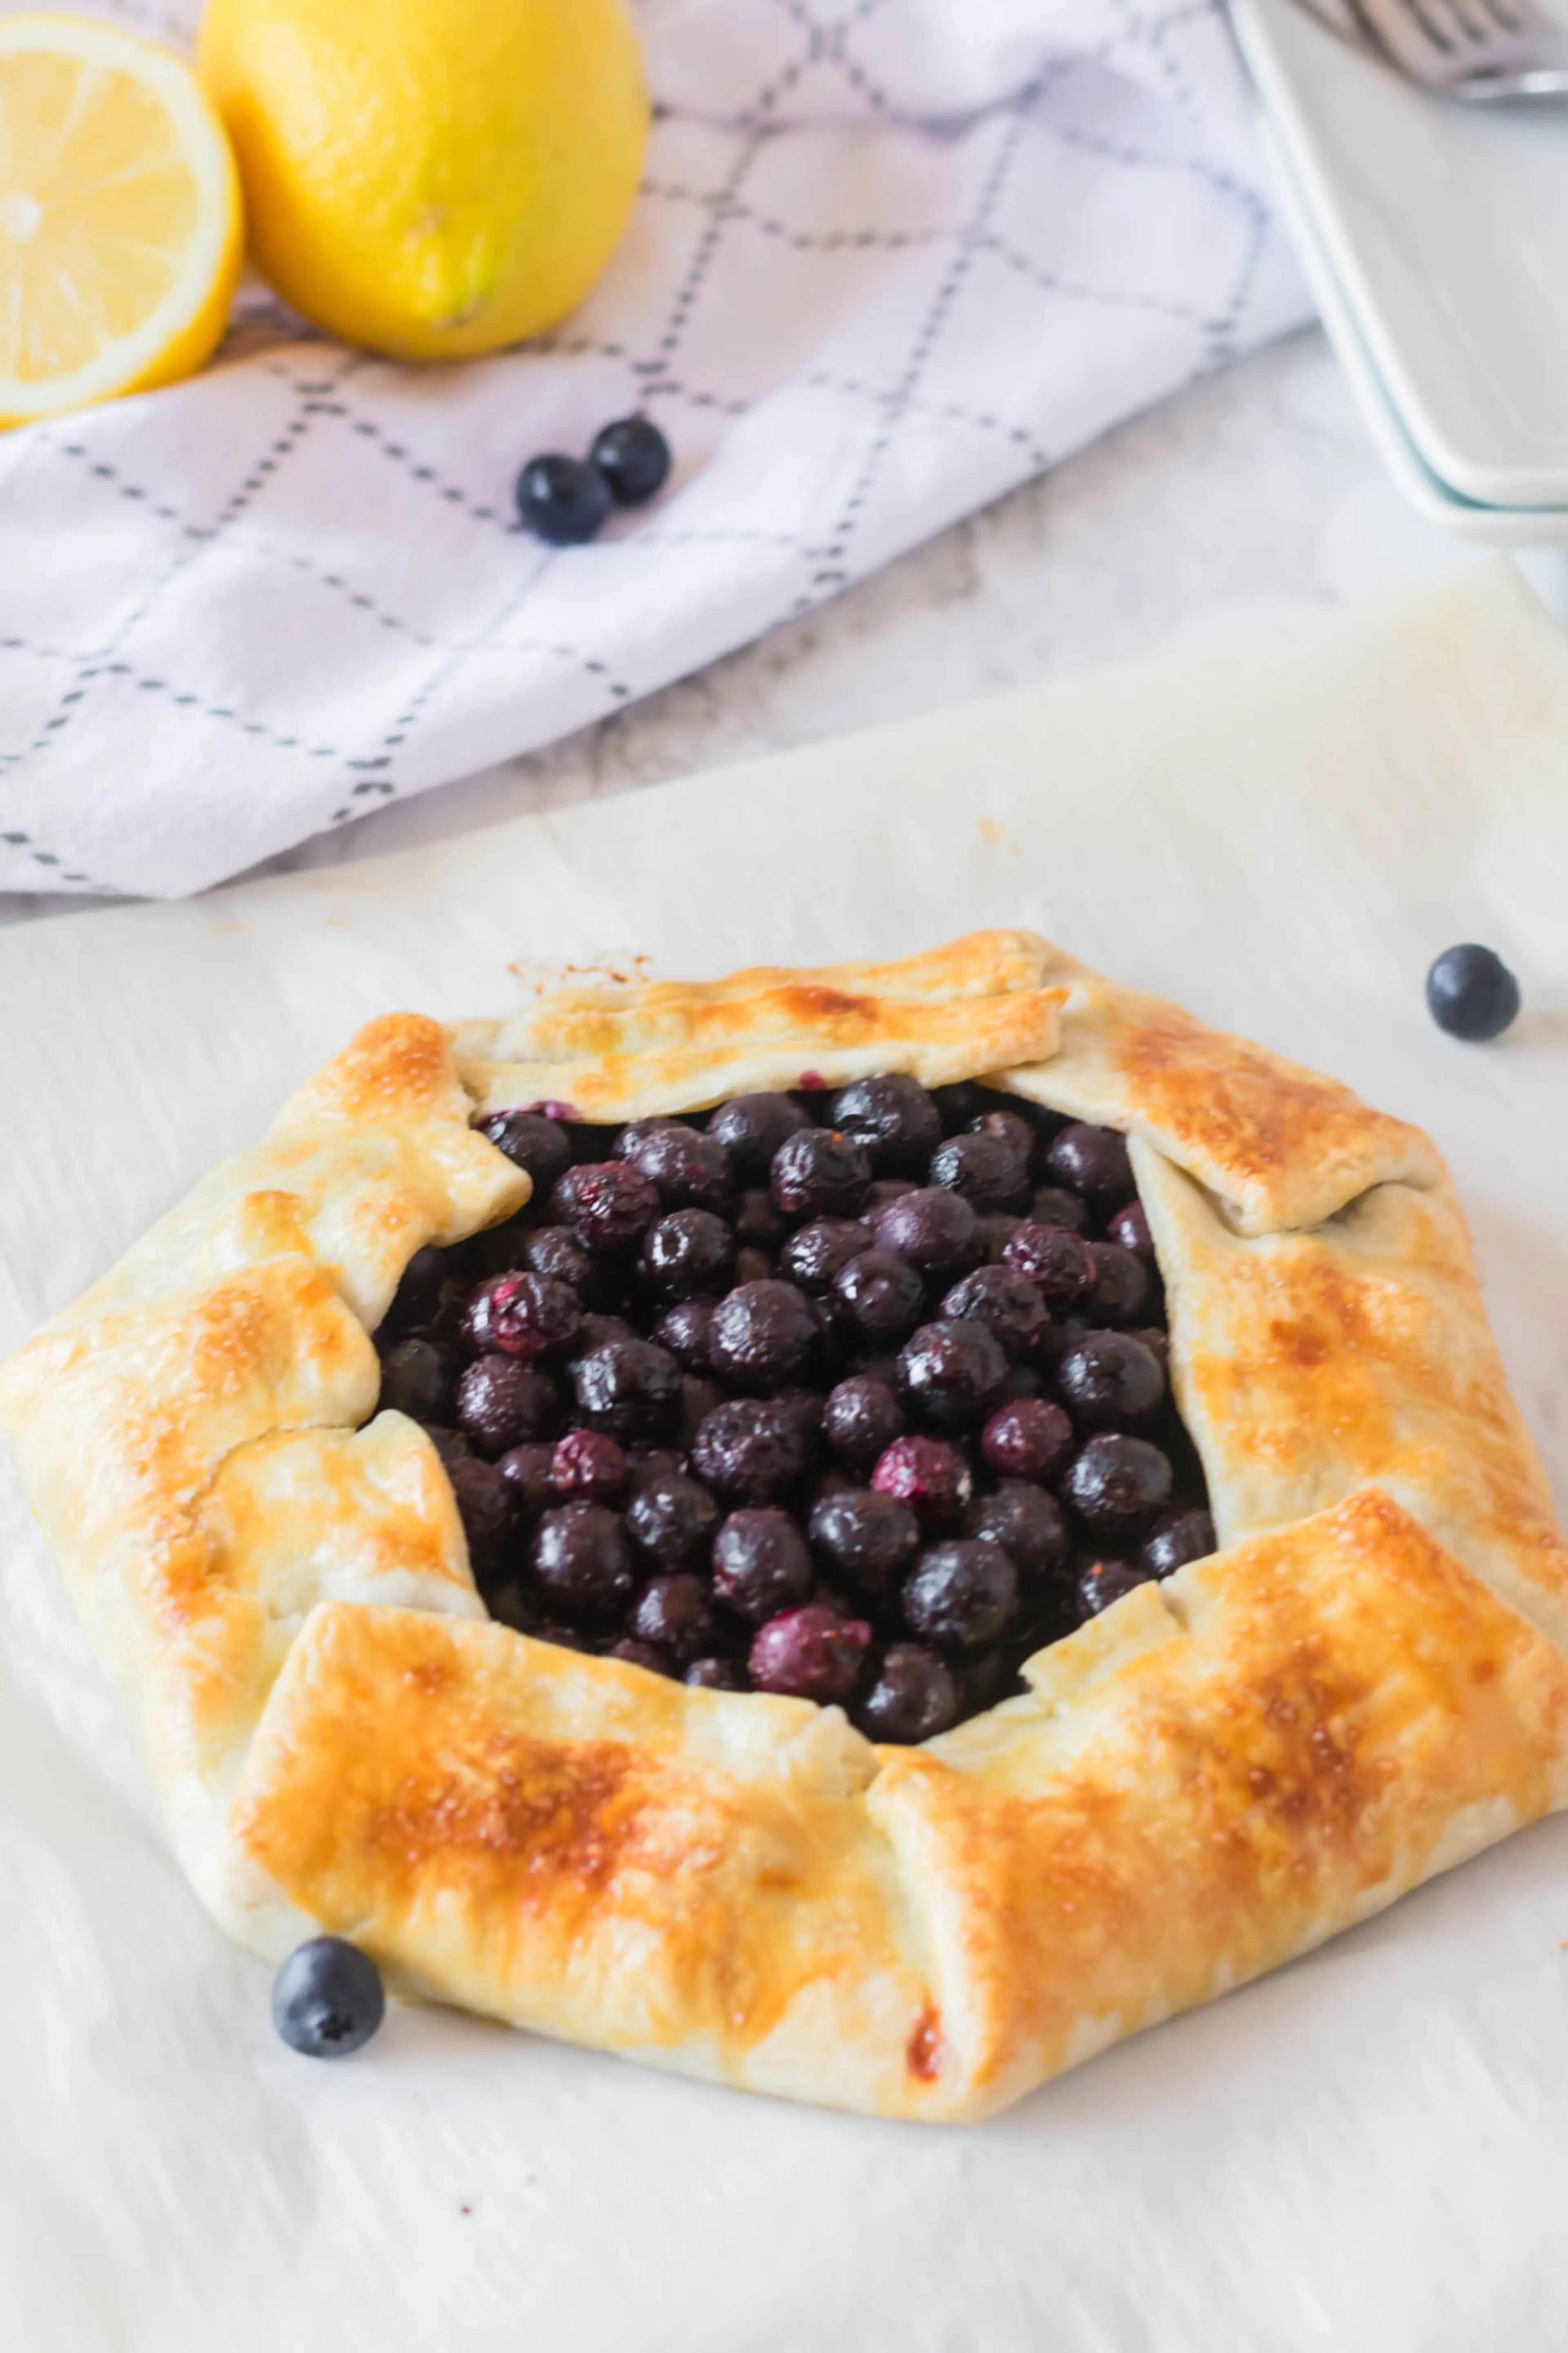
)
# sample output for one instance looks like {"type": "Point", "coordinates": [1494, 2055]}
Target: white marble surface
{"type": "Point", "coordinates": [1253, 497]}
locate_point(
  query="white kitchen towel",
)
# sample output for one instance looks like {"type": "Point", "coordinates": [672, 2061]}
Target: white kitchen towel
{"type": "Point", "coordinates": [890, 257]}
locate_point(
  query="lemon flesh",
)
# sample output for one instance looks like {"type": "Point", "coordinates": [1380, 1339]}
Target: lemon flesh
{"type": "Point", "coordinates": [431, 178]}
{"type": "Point", "coordinates": [120, 217]}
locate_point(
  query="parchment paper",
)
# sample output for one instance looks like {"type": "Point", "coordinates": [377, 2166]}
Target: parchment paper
{"type": "Point", "coordinates": [1368, 2150]}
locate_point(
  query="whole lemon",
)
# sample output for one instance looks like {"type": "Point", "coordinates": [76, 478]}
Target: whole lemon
{"type": "Point", "coordinates": [432, 178]}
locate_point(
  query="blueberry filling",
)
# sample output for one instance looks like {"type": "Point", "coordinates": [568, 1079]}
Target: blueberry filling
{"type": "Point", "coordinates": [857, 1398]}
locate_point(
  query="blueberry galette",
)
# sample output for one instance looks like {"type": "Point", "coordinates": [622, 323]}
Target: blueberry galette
{"type": "Point", "coordinates": [862, 1533]}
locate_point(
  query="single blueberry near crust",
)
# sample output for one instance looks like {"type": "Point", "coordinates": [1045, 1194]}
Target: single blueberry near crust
{"type": "Point", "coordinates": [582, 1562]}
{"type": "Point", "coordinates": [633, 456]}
{"type": "Point", "coordinates": [810, 1653]}
{"type": "Point", "coordinates": [961, 1594]}
{"type": "Point", "coordinates": [1109, 1377]}
{"type": "Point", "coordinates": [1130, 1228]}
{"type": "Point", "coordinates": [987, 1170]}
{"type": "Point", "coordinates": [689, 1253]}
{"type": "Point", "coordinates": [1118, 1486]}
{"type": "Point", "coordinates": [539, 1146]}
{"type": "Point", "coordinates": [895, 1119]}
{"type": "Point", "coordinates": [326, 1999]}
{"type": "Point", "coordinates": [1006, 1302]}
{"type": "Point", "coordinates": [760, 1564]}
{"type": "Point", "coordinates": [716, 1675]}
{"type": "Point", "coordinates": [1092, 1161]}
{"type": "Point", "coordinates": [562, 500]}
{"type": "Point", "coordinates": [1054, 1258]}
{"type": "Point", "coordinates": [820, 1173]}
{"type": "Point", "coordinates": [1179, 1537]}
{"type": "Point", "coordinates": [1029, 1526]}
{"type": "Point", "coordinates": [1471, 993]}
{"type": "Point", "coordinates": [608, 1205]}
{"type": "Point", "coordinates": [1105, 1581]}
{"type": "Point", "coordinates": [933, 1226]}
{"type": "Point", "coordinates": [752, 1127]}
{"type": "Point", "coordinates": [503, 1403]}
{"type": "Point", "coordinates": [913, 1698]}
{"type": "Point", "coordinates": [530, 1316]}
{"type": "Point", "coordinates": [1121, 1291]}
{"type": "Point", "coordinates": [692, 1171]}
{"type": "Point", "coordinates": [638, 1653]}
{"type": "Point", "coordinates": [674, 1613]}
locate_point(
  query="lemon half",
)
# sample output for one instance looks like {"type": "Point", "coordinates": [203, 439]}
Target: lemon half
{"type": "Point", "coordinates": [432, 178]}
{"type": "Point", "coordinates": [120, 233]}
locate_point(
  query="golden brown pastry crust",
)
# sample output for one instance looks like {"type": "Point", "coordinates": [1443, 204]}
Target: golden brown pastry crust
{"type": "Point", "coordinates": [1364, 1685]}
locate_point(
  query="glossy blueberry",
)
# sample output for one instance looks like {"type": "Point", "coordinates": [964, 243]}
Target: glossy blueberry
{"type": "Point", "coordinates": [676, 1614]}
{"type": "Point", "coordinates": [326, 1999]}
{"type": "Point", "coordinates": [950, 1372]}
{"type": "Point", "coordinates": [687, 1255]}
{"type": "Point", "coordinates": [586, 1464]}
{"type": "Point", "coordinates": [417, 1378]}
{"type": "Point", "coordinates": [1028, 1438]}
{"type": "Point", "coordinates": [1471, 993]}
{"type": "Point", "coordinates": [561, 499]}
{"type": "Point", "coordinates": [883, 1296]}
{"type": "Point", "coordinates": [671, 1519]}
{"type": "Point", "coordinates": [541, 1145]}
{"type": "Point", "coordinates": [961, 1594]}
{"type": "Point", "coordinates": [750, 1451]}
{"type": "Point", "coordinates": [860, 1419]}
{"type": "Point", "coordinates": [868, 1538]}
{"type": "Point", "coordinates": [1179, 1537]}
{"type": "Point", "coordinates": [810, 1653]}
{"type": "Point", "coordinates": [752, 1127]}
{"type": "Point", "coordinates": [1054, 1258]}
{"type": "Point", "coordinates": [1130, 1230]}
{"type": "Point", "coordinates": [556, 1253]}
{"type": "Point", "coordinates": [1029, 1526]}
{"type": "Point", "coordinates": [1110, 1378]}
{"type": "Point", "coordinates": [815, 1253]}
{"type": "Point", "coordinates": [1105, 1581]}
{"type": "Point", "coordinates": [633, 456]}
{"type": "Point", "coordinates": [1012, 1128]}
{"type": "Point", "coordinates": [608, 1204]}
{"type": "Point", "coordinates": [894, 1118]}
{"type": "Point", "coordinates": [820, 1173]}
{"type": "Point", "coordinates": [683, 1330]}
{"type": "Point", "coordinates": [1118, 1486]}
{"type": "Point", "coordinates": [1092, 1161]}
{"type": "Point", "coordinates": [930, 1475]}
{"type": "Point", "coordinates": [486, 1506]}
{"type": "Point", "coordinates": [582, 1563]}
{"type": "Point", "coordinates": [1122, 1289]}
{"type": "Point", "coordinates": [760, 1564]}
{"type": "Point", "coordinates": [692, 1171]}
{"type": "Point", "coordinates": [934, 1228]}
{"type": "Point", "coordinates": [502, 1403]}
{"type": "Point", "coordinates": [763, 1337]}
{"type": "Point", "coordinates": [912, 1696]}
{"type": "Point", "coordinates": [986, 1170]}
{"type": "Point", "coordinates": [628, 1389]}
{"type": "Point", "coordinates": [529, 1316]}
{"type": "Point", "coordinates": [1006, 1302]}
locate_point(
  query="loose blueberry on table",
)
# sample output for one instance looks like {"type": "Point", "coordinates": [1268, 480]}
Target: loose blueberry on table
{"type": "Point", "coordinates": [857, 1397]}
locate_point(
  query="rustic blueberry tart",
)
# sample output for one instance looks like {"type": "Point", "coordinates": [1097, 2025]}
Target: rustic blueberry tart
{"type": "Point", "coordinates": [862, 1533]}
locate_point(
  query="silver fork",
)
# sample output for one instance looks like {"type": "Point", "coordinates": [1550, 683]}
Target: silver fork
{"type": "Point", "coordinates": [1471, 49]}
